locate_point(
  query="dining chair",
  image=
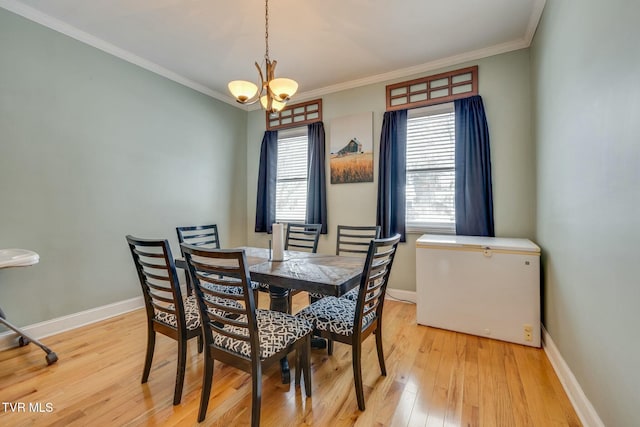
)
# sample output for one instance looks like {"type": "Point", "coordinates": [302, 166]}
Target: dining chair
{"type": "Point", "coordinates": [198, 235]}
{"type": "Point", "coordinates": [167, 312]}
{"type": "Point", "coordinates": [204, 236]}
{"type": "Point", "coordinates": [354, 241]}
{"type": "Point", "coordinates": [302, 237]}
{"type": "Point", "coordinates": [247, 338]}
{"type": "Point", "coordinates": [336, 318]}
{"type": "Point", "coordinates": [351, 240]}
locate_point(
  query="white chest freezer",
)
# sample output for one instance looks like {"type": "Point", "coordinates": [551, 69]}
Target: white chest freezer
{"type": "Point", "coordinates": [486, 286]}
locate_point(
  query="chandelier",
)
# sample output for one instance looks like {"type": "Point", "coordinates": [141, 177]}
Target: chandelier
{"type": "Point", "coordinates": [273, 93]}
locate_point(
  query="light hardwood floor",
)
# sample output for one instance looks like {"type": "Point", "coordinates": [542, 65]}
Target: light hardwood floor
{"type": "Point", "coordinates": [435, 378]}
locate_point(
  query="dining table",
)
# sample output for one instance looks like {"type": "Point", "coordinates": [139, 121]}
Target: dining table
{"type": "Point", "coordinates": [332, 275]}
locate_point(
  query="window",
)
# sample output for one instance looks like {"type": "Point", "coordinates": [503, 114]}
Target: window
{"type": "Point", "coordinates": [430, 187]}
{"type": "Point", "coordinates": [291, 181]}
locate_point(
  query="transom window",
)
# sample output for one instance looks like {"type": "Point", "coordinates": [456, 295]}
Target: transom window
{"type": "Point", "coordinates": [291, 181]}
{"type": "Point", "coordinates": [430, 187]}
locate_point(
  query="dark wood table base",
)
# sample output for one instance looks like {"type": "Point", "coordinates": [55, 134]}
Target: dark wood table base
{"type": "Point", "coordinates": [279, 298]}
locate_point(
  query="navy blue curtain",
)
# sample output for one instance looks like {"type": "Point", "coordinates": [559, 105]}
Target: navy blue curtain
{"type": "Point", "coordinates": [267, 175]}
{"type": "Point", "coordinates": [390, 214]}
{"type": "Point", "coordinates": [474, 196]}
{"type": "Point", "coordinates": [316, 184]}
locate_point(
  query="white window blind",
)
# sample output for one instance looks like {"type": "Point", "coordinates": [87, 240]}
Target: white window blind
{"type": "Point", "coordinates": [291, 186]}
{"type": "Point", "coordinates": [430, 187]}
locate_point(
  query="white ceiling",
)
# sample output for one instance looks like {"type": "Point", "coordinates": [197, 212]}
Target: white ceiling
{"type": "Point", "coordinates": [325, 45]}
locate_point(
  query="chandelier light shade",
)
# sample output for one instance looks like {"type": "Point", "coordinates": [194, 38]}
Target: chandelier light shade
{"type": "Point", "coordinates": [243, 90]}
{"type": "Point", "coordinates": [275, 105]}
{"type": "Point", "coordinates": [282, 88]}
{"type": "Point", "coordinates": [272, 92]}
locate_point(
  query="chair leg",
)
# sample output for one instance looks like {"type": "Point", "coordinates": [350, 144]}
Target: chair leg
{"type": "Point", "coordinates": [187, 279]}
{"type": "Point", "coordinates": [383, 368]}
{"type": "Point", "coordinates": [151, 344]}
{"type": "Point", "coordinates": [306, 365]}
{"type": "Point", "coordinates": [207, 380]}
{"type": "Point", "coordinates": [256, 395]}
{"type": "Point", "coordinates": [299, 361]}
{"type": "Point", "coordinates": [182, 361]}
{"type": "Point", "coordinates": [200, 343]}
{"type": "Point", "coordinates": [330, 347]}
{"type": "Point", "coordinates": [357, 373]}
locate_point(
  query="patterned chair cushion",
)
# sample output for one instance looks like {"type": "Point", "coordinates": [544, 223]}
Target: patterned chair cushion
{"type": "Point", "coordinates": [333, 314]}
{"type": "Point", "coordinates": [316, 295]}
{"type": "Point", "coordinates": [234, 290]}
{"type": "Point", "coordinates": [352, 294]}
{"type": "Point", "coordinates": [276, 331]}
{"type": "Point", "coordinates": [191, 312]}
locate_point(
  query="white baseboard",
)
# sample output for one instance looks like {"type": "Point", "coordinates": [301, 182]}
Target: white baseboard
{"type": "Point", "coordinates": [72, 321]}
{"type": "Point", "coordinates": [585, 410]}
{"type": "Point", "coordinates": [400, 295]}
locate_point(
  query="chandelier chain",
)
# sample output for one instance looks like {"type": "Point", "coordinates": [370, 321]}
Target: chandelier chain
{"type": "Point", "coordinates": [266, 29]}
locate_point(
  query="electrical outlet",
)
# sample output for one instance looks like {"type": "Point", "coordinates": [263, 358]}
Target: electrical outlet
{"type": "Point", "coordinates": [528, 332]}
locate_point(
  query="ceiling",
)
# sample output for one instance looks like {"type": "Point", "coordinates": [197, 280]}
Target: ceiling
{"type": "Point", "coordinates": [325, 45]}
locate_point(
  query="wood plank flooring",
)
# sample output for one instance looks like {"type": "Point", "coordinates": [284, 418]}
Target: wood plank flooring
{"type": "Point", "coordinates": [434, 378]}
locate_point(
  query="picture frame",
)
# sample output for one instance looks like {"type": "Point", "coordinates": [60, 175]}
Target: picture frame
{"type": "Point", "coordinates": [351, 149]}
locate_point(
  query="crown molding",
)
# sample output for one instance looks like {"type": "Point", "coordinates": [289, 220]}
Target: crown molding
{"type": "Point", "coordinates": [64, 28]}
{"type": "Point", "coordinates": [417, 69]}
{"type": "Point", "coordinates": [75, 33]}
{"type": "Point", "coordinates": [534, 20]}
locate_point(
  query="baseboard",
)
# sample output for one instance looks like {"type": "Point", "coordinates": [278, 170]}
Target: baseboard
{"type": "Point", "coordinates": [400, 295]}
{"type": "Point", "coordinates": [585, 410]}
{"type": "Point", "coordinates": [72, 321]}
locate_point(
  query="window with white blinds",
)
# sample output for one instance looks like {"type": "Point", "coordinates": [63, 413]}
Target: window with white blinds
{"type": "Point", "coordinates": [430, 187]}
{"type": "Point", "coordinates": [291, 185]}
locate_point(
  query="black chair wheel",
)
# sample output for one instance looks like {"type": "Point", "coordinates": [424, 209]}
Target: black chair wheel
{"type": "Point", "coordinates": [51, 358]}
{"type": "Point", "coordinates": [22, 341]}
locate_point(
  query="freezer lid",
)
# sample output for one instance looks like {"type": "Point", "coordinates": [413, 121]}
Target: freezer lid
{"type": "Point", "coordinates": [476, 242]}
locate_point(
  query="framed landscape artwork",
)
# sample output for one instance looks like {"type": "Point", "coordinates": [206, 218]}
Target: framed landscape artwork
{"type": "Point", "coordinates": [352, 149]}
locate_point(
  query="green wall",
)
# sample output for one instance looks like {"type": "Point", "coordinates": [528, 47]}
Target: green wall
{"type": "Point", "coordinates": [505, 89]}
{"type": "Point", "coordinates": [93, 148]}
{"type": "Point", "coordinates": [585, 69]}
